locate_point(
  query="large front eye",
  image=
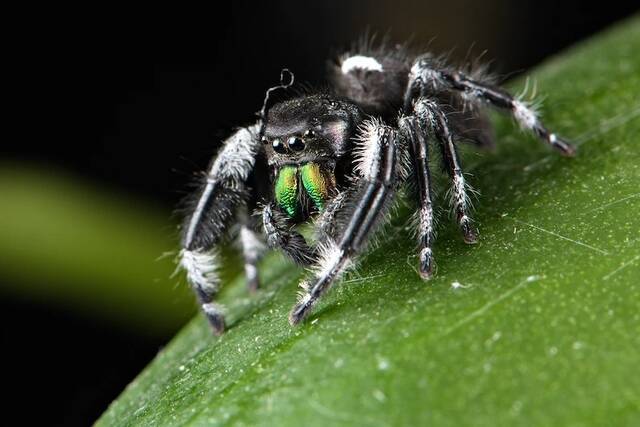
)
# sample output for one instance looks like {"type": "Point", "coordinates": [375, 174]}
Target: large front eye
{"type": "Point", "coordinates": [278, 146]}
{"type": "Point", "coordinates": [296, 143]}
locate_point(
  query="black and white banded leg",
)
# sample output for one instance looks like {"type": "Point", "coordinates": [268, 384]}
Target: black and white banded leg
{"type": "Point", "coordinates": [431, 116]}
{"type": "Point", "coordinates": [281, 235]}
{"type": "Point", "coordinates": [222, 194]}
{"type": "Point", "coordinates": [419, 151]}
{"type": "Point", "coordinates": [378, 167]}
{"type": "Point", "coordinates": [428, 75]}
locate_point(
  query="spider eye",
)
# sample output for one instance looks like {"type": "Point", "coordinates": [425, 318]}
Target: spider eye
{"type": "Point", "coordinates": [264, 140]}
{"type": "Point", "coordinates": [278, 146]}
{"type": "Point", "coordinates": [296, 143]}
{"type": "Point", "coordinates": [309, 133]}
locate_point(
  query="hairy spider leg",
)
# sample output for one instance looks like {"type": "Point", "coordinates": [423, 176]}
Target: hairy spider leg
{"type": "Point", "coordinates": [252, 248]}
{"type": "Point", "coordinates": [432, 115]}
{"type": "Point", "coordinates": [419, 151]}
{"type": "Point", "coordinates": [223, 193]}
{"type": "Point", "coordinates": [426, 74]}
{"type": "Point", "coordinates": [379, 166]}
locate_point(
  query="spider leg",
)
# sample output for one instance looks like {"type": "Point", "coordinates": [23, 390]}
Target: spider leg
{"type": "Point", "coordinates": [378, 166]}
{"type": "Point", "coordinates": [223, 192]}
{"type": "Point", "coordinates": [419, 151]}
{"type": "Point", "coordinates": [252, 250]}
{"type": "Point", "coordinates": [427, 74]}
{"type": "Point", "coordinates": [430, 114]}
{"type": "Point", "coordinates": [281, 235]}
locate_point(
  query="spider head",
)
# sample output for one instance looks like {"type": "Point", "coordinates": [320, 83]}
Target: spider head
{"type": "Point", "coordinates": [308, 129]}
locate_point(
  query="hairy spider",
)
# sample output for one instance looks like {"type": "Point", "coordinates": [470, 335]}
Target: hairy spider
{"type": "Point", "coordinates": [340, 158]}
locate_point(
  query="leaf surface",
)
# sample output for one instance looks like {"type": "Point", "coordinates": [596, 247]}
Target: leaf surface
{"type": "Point", "coordinates": [538, 324]}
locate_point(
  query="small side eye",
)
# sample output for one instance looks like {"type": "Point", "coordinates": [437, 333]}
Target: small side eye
{"type": "Point", "coordinates": [264, 140]}
{"type": "Point", "coordinates": [309, 133]}
{"type": "Point", "coordinates": [278, 146]}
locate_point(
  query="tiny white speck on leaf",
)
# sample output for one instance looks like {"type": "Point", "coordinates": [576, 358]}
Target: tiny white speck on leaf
{"type": "Point", "coordinates": [578, 345]}
{"type": "Point", "coordinates": [383, 364]}
{"type": "Point", "coordinates": [379, 395]}
{"type": "Point", "coordinates": [516, 407]}
{"type": "Point", "coordinates": [458, 285]}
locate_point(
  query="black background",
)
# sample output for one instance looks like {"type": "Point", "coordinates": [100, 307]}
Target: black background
{"type": "Point", "coordinates": [137, 101]}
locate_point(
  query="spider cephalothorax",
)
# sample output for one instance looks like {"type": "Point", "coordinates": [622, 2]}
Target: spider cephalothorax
{"type": "Point", "coordinates": [340, 158]}
{"type": "Point", "coordinates": [304, 140]}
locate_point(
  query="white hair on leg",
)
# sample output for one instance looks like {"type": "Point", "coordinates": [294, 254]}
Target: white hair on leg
{"type": "Point", "coordinates": [332, 263]}
{"type": "Point", "coordinates": [197, 213]}
{"type": "Point", "coordinates": [368, 148]}
{"type": "Point", "coordinates": [460, 188]}
{"type": "Point", "coordinates": [525, 115]}
{"type": "Point", "coordinates": [237, 156]}
{"type": "Point", "coordinates": [425, 221]}
{"type": "Point", "coordinates": [424, 109]}
{"type": "Point", "coordinates": [421, 71]}
{"type": "Point", "coordinates": [212, 309]}
{"type": "Point", "coordinates": [331, 259]}
{"type": "Point", "coordinates": [202, 270]}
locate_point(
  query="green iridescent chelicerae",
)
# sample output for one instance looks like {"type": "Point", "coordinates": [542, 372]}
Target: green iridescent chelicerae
{"type": "Point", "coordinates": [316, 182]}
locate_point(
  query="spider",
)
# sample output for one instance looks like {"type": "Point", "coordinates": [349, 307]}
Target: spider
{"type": "Point", "coordinates": [337, 159]}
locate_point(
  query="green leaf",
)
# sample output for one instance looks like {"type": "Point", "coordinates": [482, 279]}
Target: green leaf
{"type": "Point", "coordinates": [538, 324]}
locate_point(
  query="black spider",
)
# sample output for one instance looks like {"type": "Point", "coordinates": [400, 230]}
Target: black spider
{"type": "Point", "coordinates": [340, 158]}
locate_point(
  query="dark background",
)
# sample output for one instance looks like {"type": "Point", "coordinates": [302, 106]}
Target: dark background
{"type": "Point", "coordinates": [137, 101]}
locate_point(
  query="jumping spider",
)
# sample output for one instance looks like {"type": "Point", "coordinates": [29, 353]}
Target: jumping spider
{"type": "Point", "coordinates": [339, 158]}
